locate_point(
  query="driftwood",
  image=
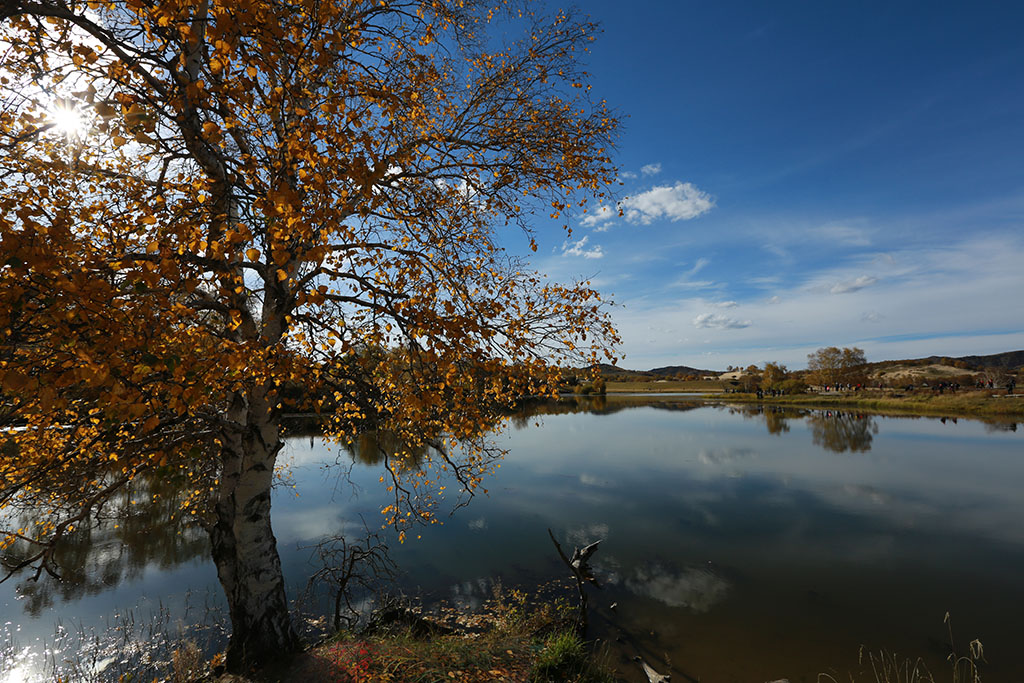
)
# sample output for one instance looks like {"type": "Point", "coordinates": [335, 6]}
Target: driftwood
{"type": "Point", "coordinates": [652, 675]}
{"type": "Point", "coordinates": [577, 564]}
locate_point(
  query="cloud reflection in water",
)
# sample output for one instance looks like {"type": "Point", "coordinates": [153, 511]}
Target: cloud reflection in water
{"type": "Point", "coordinates": [695, 589]}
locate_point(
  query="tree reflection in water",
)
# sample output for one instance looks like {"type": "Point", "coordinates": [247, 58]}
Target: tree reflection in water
{"type": "Point", "coordinates": [834, 430]}
{"type": "Point", "coordinates": [375, 447]}
{"type": "Point", "coordinates": [776, 418]}
{"type": "Point", "coordinates": [595, 404]}
{"type": "Point", "coordinates": [143, 526]}
{"type": "Point", "coordinates": [840, 432]}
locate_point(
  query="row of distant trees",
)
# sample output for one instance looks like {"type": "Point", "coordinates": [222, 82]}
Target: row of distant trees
{"type": "Point", "coordinates": [827, 366]}
{"type": "Point", "coordinates": [834, 366]}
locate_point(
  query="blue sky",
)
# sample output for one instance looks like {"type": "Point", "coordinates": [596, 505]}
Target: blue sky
{"type": "Point", "coordinates": [807, 174]}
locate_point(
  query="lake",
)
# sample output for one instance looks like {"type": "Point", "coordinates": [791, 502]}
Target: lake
{"type": "Point", "coordinates": [740, 543]}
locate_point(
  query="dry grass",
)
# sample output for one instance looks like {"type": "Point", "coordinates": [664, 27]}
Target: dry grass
{"type": "Point", "coordinates": [514, 639]}
{"type": "Point", "coordinates": [963, 404]}
{"type": "Point", "coordinates": [885, 667]}
{"type": "Point", "coordinates": [919, 373]}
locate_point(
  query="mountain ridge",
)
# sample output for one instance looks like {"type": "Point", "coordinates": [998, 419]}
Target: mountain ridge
{"type": "Point", "coordinates": [1007, 359]}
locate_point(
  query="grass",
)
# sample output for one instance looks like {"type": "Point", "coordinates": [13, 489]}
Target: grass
{"type": "Point", "coordinates": [513, 639]}
{"type": "Point", "coordinates": [964, 404]}
{"type": "Point", "coordinates": [564, 657]}
{"type": "Point", "coordinates": [885, 667]}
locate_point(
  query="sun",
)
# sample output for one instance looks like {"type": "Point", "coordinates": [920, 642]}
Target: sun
{"type": "Point", "coordinates": [67, 120]}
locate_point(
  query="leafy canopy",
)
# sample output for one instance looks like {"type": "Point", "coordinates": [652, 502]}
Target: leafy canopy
{"type": "Point", "coordinates": [209, 207]}
{"type": "Point", "coordinates": [832, 365]}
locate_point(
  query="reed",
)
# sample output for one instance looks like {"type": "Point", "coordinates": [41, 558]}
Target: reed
{"type": "Point", "coordinates": [887, 667]}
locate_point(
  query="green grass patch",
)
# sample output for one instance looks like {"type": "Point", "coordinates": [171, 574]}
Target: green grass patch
{"type": "Point", "coordinates": [564, 657]}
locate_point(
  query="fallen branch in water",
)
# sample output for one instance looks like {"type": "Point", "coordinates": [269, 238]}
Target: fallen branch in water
{"type": "Point", "coordinates": [577, 564]}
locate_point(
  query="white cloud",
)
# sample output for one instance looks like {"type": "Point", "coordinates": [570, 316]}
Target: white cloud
{"type": "Point", "coordinates": [698, 266]}
{"type": "Point", "coordinates": [843, 235]}
{"type": "Point", "coordinates": [628, 175]}
{"type": "Point", "coordinates": [765, 281]}
{"type": "Point", "coordinates": [727, 304]}
{"type": "Point", "coordinates": [694, 284]}
{"type": "Point", "coordinates": [577, 249]}
{"type": "Point", "coordinates": [789, 238]}
{"type": "Point", "coordinates": [779, 251]}
{"type": "Point", "coordinates": [853, 285]}
{"type": "Point", "coordinates": [684, 280]}
{"type": "Point", "coordinates": [601, 215]}
{"type": "Point", "coordinates": [933, 300]}
{"type": "Point", "coordinates": [651, 169]}
{"type": "Point", "coordinates": [719, 322]}
{"type": "Point", "coordinates": [464, 187]}
{"type": "Point", "coordinates": [679, 202]}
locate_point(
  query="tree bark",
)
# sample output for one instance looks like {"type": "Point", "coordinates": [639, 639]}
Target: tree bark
{"type": "Point", "coordinates": [244, 547]}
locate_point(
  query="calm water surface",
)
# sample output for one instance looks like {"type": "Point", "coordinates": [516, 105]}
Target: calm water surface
{"type": "Point", "coordinates": [740, 543]}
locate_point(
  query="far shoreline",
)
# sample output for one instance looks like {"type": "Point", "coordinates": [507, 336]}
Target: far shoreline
{"type": "Point", "coordinates": [979, 403]}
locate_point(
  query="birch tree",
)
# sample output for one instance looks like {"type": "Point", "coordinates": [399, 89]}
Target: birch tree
{"type": "Point", "coordinates": [202, 202]}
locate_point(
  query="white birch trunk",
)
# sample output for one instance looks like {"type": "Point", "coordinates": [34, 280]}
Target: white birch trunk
{"type": "Point", "coordinates": [243, 544]}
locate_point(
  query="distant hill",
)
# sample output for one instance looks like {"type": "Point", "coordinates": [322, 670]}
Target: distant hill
{"type": "Point", "coordinates": [613, 372]}
{"type": "Point", "coordinates": [681, 370]}
{"type": "Point", "coordinates": [1010, 360]}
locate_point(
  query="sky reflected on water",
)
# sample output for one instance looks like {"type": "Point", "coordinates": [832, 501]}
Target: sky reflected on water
{"type": "Point", "coordinates": [731, 533]}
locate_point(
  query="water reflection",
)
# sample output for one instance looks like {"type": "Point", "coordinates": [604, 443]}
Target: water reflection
{"type": "Point", "coordinates": [472, 594]}
{"type": "Point", "coordinates": [724, 456]}
{"type": "Point", "coordinates": [835, 430]}
{"type": "Point", "coordinates": [840, 432]}
{"type": "Point", "coordinates": [719, 524]}
{"type": "Point", "coordinates": [375, 447]}
{"type": "Point", "coordinates": [695, 589]}
{"type": "Point", "coordinates": [529, 410]}
{"type": "Point", "coordinates": [777, 420]}
{"type": "Point", "coordinates": [141, 528]}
